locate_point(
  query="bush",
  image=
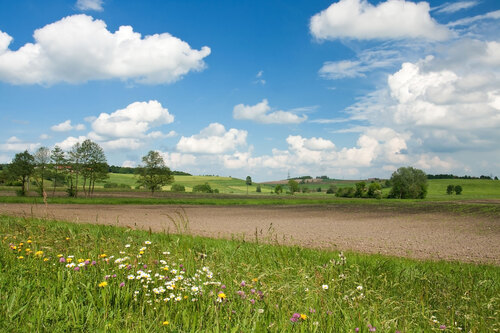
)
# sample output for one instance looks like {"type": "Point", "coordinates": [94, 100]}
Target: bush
{"type": "Point", "coordinates": [458, 190]}
{"type": "Point", "coordinates": [374, 190]}
{"type": "Point", "coordinates": [332, 189]}
{"type": "Point", "coordinates": [21, 193]}
{"type": "Point", "coordinates": [305, 189]}
{"type": "Point", "coordinates": [203, 188]}
{"type": "Point", "coordinates": [258, 189]}
{"type": "Point", "coordinates": [278, 189]}
{"type": "Point", "coordinates": [360, 189]}
{"type": "Point", "coordinates": [450, 189]}
{"type": "Point", "coordinates": [216, 190]}
{"type": "Point", "coordinates": [345, 192]}
{"type": "Point", "coordinates": [178, 188]}
{"type": "Point", "coordinates": [408, 183]}
{"type": "Point", "coordinates": [318, 189]}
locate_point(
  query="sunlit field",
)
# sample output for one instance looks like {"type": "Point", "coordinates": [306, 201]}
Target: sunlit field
{"type": "Point", "coordinates": [61, 276]}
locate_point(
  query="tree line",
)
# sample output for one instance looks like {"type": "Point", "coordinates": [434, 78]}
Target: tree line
{"type": "Point", "coordinates": [85, 162]}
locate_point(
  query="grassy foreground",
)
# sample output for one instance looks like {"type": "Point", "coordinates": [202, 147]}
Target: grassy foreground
{"type": "Point", "coordinates": [63, 277]}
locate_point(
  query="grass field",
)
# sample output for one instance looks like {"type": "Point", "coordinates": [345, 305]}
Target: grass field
{"type": "Point", "coordinates": [63, 277]}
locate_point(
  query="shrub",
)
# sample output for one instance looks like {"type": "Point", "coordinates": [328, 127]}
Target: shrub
{"type": "Point", "coordinates": [450, 189]}
{"type": "Point", "coordinates": [178, 188]}
{"type": "Point", "coordinates": [278, 189]}
{"type": "Point", "coordinates": [374, 190]}
{"type": "Point", "coordinates": [360, 189]}
{"type": "Point", "coordinates": [305, 189]}
{"type": "Point", "coordinates": [203, 188]}
{"type": "Point", "coordinates": [345, 192]}
{"type": "Point", "coordinates": [458, 190]}
{"type": "Point", "coordinates": [259, 189]}
{"type": "Point", "coordinates": [318, 189]}
{"type": "Point", "coordinates": [332, 189]}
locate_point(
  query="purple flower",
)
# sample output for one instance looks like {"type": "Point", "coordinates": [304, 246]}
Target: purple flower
{"type": "Point", "coordinates": [223, 286]}
{"type": "Point", "coordinates": [243, 283]}
{"type": "Point", "coordinates": [129, 267]}
{"type": "Point", "coordinates": [93, 263]}
{"type": "Point", "coordinates": [330, 312]}
{"type": "Point", "coordinates": [145, 266]}
{"type": "Point", "coordinates": [252, 291]}
{"type": "Point", "coordinates": [356, 329]}
{"type": "Point", "coordinates": [311, 310]}
{"type": "Point", "coordinates": [62, 259]}
{"type": "Point", "coordinates": [122, 284]}
{"type": "Point", "coordinates": [293, 319]}
{"type": "Point", "coordinates": [442, 327]}
{"type": "Point", "coordinates": [252, 301]}
{"type": "Point", "coordinates": [181, 265]}
{"type": "Point", "coordinates": [114, 275]}
{"type": "Point", "coordinates": [76, 268]}
{"type": "Point", "coordinates": [106, 277]}
{"type": "Point", "coordinates": [86, 262]}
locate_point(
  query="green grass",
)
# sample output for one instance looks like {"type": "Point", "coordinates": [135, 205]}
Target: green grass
{"type": "Point", "coordinates": [39, 293]}
{"type": "Point", "coordinates": [472, 189]}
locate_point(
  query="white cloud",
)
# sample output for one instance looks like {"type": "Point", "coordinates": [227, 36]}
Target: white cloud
{"type": "Point", "coordinates": [70, 141]}
{"type": "Point", "coordinates": [44, 137]}
{"type": "Point", "coordinates": [449, 8]}
{"type": "Point", "coordinates": [78, 48]}
{"type": "Point", "coordinates": [90, 5]}
{"type": "Point", "coordinates": [358, 19]}
{"type": "Point", "coordinates": [213, 139]}
{"type": "Point", "coordinates": [5, 159]}
{"type": "Point", "coordinates": [132, 122]}
{"type": "Point", "coordinates": [368, 60]}
{"type": "Point", "coordinates": [429, 162]}
{"type": "Point", "coordinates": [17, 145]}
{"type": "Point", "coordinates": [178, 160]}
{"type": "Point", "coordinates": [494, 15]}
{"type": "Point", "coordinates": [66, 126]}
{"type": "Point", "coordinates": [261, 113]}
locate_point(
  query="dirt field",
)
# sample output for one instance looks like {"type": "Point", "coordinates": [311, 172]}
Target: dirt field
{"type": "Point", "coordinates": [414, 234]}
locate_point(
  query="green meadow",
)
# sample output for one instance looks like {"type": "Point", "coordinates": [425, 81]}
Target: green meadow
{"type": "Point", "coordinates": [57, 276]}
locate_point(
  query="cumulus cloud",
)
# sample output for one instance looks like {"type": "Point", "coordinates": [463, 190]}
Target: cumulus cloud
{"type": "Point", "coordinates": [213, 139]}
{"type": "Point", "coordinates": [70, 141]}
{"type": "Point", "coordinates": [90, 5]}
{"type": "Point", "coordinates": [358, 19]}
{"type": "Point", "coordinates": [132, 122]}
{"type": "Point", "coordinates": [261, 113]}
{"type": "Point", "coordinates": [79, 48]}
{"type": "Point", "coordinates": [15, 144]}
{"type": "Point", "coordinates": [66, 126]}
{"type": "Point", "coordinates": [178, 160]}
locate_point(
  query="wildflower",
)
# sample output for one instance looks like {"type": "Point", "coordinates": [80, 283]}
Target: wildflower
{"type": "Point", "coordinates": [252, 301]}
{"type": "Point", "coordinates": [243, 283]}
{"type": "Point", "coordinates": [81, 260]}
{"type": "Point", "coordinates": [45, 259]}
{"type": "Point", "coordinates": [255, 280]}
{"type": "Point", "coordinates": [221, 296]}
{"type": "Point", "coordinates": [260, 310]}
{"type": "Point", "coordinates": [76, 268]}
{"type": "Point", "coordinates": [359, 288]}
{"type": "Point", "coordinates": [442, 327]}
{"type": "Point", "coordinates": [127, 245]}
{"type": "Point", "coordinates": [93, 263]}
{"type": "Point", "coordinates": [20, 257]}
{"type": "Point", "coordinates": [147, 242]}
{"type": "Point", "coordinates": [103, 255]}
{"type": "Point", "coordinates": [122, 284]}
{"type": "Point", "coordinates": [303, 316]}
{"type": "Point", "coordinates": [62, 259]}
{"type": "Point", "coordinates": [28, 241]}
{"type": "Point", "coordinates": [70, 265]}
{"type": "Point", "coordinates": [67, 238]}
{"type": "Point", "coordinates": [295, 317]}
{"type": "Point", "coordinates": [252, 291]}
{"type": "Point", "coordinates": [165, 323]}
{"type": "Point", "coordinates": [311, 310]}
{"type": "Point", "coordinates": [325, 287]}
{"type": "Point", "coordinates": [103, 284]}
{"type": "Point", "coordinates": [59, 255]}
{"type": "Point", "coordinates": [69, 259]}
{"type": "Point", "coordinates": [38, 253]}
{"type": "Point", "coordinates": [223, 286]}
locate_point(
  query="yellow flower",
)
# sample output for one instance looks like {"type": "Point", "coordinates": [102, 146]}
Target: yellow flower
{"type": "Point", "coordinates": [103, 284]}
{"type": "Point", "coordinates": [28, 241]}
{"type": "Point", "coordinates": [103, 255]}
{"type": "Point", "coordinates": [13, 247]}
{"type": "Point", "coordinates": [69, 259]}
{"type": "Point", "coordinates": [38, 253]}
{"type": "Point", "coordinates": [185, 297]}
{"type": "Point", "coordinates": [81, 260]}
{"type": "Point", "coordinates": [255, 279]}
{"type": "Point", "coordinates": [141, 252]}
{"type": "Point", "coordinates": [20, 257]}
{"type": "Point", "coordinates": [45, 259]}
{"type": "Point", "coordinates": [59, 255]}
{"type": "Point", "coordinates": [21, 244]}
{"type": "Point", "coordinates": [165, 323]}
{"type": "Point", "coordinates": [221, 295]}
{"type": "Point", "coordinates": [303, 316]}
{"type": "Point", "coordinates": [67, 238]}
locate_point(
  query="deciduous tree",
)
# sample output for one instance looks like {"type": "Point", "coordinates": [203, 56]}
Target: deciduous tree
{"type": "Point", "coordinates": [408, 183]}
{"type": "Point", "coordinates": [21, 168]}
{"type": "Point", "coordinates": [154, 174]}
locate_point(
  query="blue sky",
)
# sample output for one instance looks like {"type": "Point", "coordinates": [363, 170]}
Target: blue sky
{"type": "Point", "coordinates": [349, 89]}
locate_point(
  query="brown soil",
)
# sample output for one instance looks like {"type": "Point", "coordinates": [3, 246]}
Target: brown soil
{"type": "Point", "coordinates": [415, 234]}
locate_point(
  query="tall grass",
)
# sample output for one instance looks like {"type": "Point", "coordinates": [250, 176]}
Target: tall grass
{"type": "Point", "coordinates": [227, 286]}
